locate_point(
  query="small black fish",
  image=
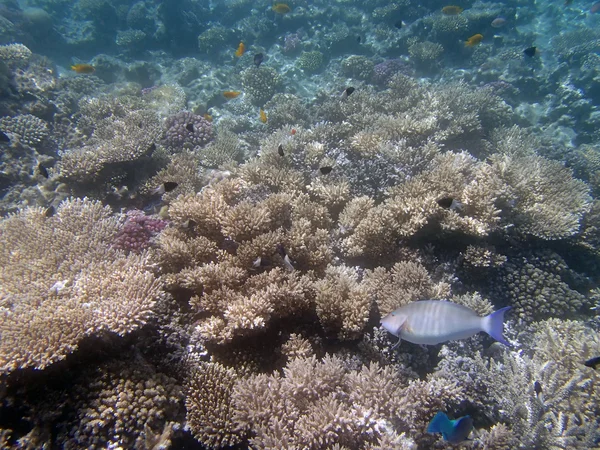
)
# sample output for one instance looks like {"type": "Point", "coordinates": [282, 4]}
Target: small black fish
{"type": "Point", "coordinates": [399, 24]}
{"type": "Point", "coordinates": [445, 202]}
{"type": "Point", "coordinates": [50, 210]}
{"type": "Point", "coordinates": [42, 170]}
{"type": "Point", "coordinates": [152, 147]}
{"type": "Point", "coordinates": [4, 137]}
{"type": "Point", "coordinates": [170, 185]}
{"type": "Point", "coordinates": [537, 387]}
{"type": "Point", "coordinates": [258, 59]}
{"type": "Point", "coordinates": [325, 170]}
{"type": "Point", "coordinates": [358, 39]}
{"type": "Point", "coordinates": [450, 203]}
{"type": "Point", "coordinates": [190, 127]}
{"type": "Point", "coordinates": [531, 51]}
{"type": "Point", "coordinates": [167, 186]}
{"type": "Point", "coordinates": [189, 224]}
{"type": "Point", "coordinates": [347, 92]}
{"type": "Point", "coordinates": [593, 363]}
{"type": "Point", "coordinates": [280, 150]}
{"type": "Point", "coordinates": [286, 259]}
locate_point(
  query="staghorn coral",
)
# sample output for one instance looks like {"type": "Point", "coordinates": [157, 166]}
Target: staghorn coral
{"type": "Point", "coordinates": [286, 109]}
{"type": "Point", "coordinates": [342, 303]}
{"type": "Point", "coordinates": [61, 281]}
{"type": "Point", "coordinates": [406, 282]}
{"type": "Point", "coordinates": [548, 202]}
{"type": "Point", "coordinates": [210, 411]}
{"type": "Point", "coordinates": [413, 205]}
{"type": "Point", "coordinates": [317, 404]}
{"type": "Point", "coordinates": [562, 415]}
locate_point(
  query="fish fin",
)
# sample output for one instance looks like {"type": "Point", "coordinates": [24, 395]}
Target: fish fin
{"type": "Point", "coordinates": [494, 325]}
{"type": "Point", "coordinates": [439, 423]}
{"type": "Point", "coordinates": [397, 344]}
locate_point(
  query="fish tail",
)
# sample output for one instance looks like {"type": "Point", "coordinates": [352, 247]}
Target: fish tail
{"type": "Point", "coordinates": [494, 325]}
{"type": "Point", "coordinates": [439, 423]}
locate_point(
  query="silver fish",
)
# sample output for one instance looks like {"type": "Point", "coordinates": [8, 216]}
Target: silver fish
{"type": "Point", "coordinates": [435, 321]}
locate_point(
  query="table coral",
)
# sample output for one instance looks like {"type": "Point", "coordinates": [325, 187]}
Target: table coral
{"type": "Point", "coordinates": [62, 281]}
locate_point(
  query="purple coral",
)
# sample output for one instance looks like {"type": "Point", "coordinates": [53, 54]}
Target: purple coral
{"type": "Point", "coordinates": [383, 72]}
{"type": "Point", "coordinates": [291, 43]}
{"type": "Point", "coordinates": [138, 231]}
{"type": "Point", "coordinates": [186, 130]}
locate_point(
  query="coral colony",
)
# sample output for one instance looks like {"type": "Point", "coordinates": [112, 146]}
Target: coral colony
{"type": "Point", "coordinates": [217, 219]}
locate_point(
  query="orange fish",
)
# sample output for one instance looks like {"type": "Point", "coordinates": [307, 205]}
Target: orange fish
{"type": "Point", "coordinates": [231, 94]}
{"type": "Point", "coordinates": [263, 115]}
{"type": "Point", "coordinates": [452, 10]}
{"type": "Point", "coordinates": [474, 40]}
{"type": "Point", "coordinates": [83, 68]}
{"type": "Point", "coordinates": [240, 50]}
{"type": "Point", "coordinates": [293, 131]}
{"type": "Point", "coordinates": [208, 117]}
{"type": "Point", "coordinates": [281, 8]}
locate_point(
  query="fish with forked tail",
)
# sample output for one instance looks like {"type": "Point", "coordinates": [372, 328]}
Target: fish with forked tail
{"type": "Point", "coordinates": [435, 321]}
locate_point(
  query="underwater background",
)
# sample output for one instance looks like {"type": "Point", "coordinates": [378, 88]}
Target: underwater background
{"type": "Point", "coordinates": [208, 207]}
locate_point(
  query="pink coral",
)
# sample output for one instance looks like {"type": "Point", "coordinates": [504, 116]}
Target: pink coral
{"type": "Point", "coordinates": [138, 231]}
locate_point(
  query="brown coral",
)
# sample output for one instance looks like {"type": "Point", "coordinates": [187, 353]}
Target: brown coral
{"type": "Point", "coordinates": [62, 281]}
{"type": "Point", "coordinates": [210, 412]}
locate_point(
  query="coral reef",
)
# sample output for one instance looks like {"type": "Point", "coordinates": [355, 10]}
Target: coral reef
{"type": "Point", "coordinates": [185, 130]}
{"type": "Point", "coordinates": [62, 281]}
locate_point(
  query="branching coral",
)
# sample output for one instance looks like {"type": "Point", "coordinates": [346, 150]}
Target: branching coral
{"type": "Point", "coordinates": [317, 404]}
{"type": "Point", "coordinates": [414, 204]}
{"type": "Point", "coordinates": [122, 404]}
{"type": "Point", "coordinates": [210, 412]}
{"type": "Point", "coordinates": [406, 282]}
{"type": "Point", "coordinates": [342, 303]}
{"type": "Point", "coordinates": [115, 143]}
{"type": "Point", "coordinates": [543, 396]}
{"type": "Point", "coordinates": [548, 202]}
{"type": "Point", "coordinates": [61, 281]}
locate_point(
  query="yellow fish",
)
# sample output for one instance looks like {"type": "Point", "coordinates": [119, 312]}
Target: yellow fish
{"type": "Point", "coordinates": [263, 115]}
{"type": "Point", "coordinates": [231, 94]}
{"type": "Point", "coordinates": [240, 50]}
{"type": "Point", "coordinates": [474, 40]}
{"type": "Point", "coordinates": [208, 117]}
{"type": "Point", "coordinates": [83, 68]}
{"type": "Point", "coordinates": [451, 10]}
{"type": "Point", "coordinates": [281, 8]}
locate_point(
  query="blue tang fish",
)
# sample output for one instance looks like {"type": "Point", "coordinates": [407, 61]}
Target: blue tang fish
{"type": "Point", "coordinates": [435, 321]}
{"type": "Point", "coordinates": [454, 431]}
